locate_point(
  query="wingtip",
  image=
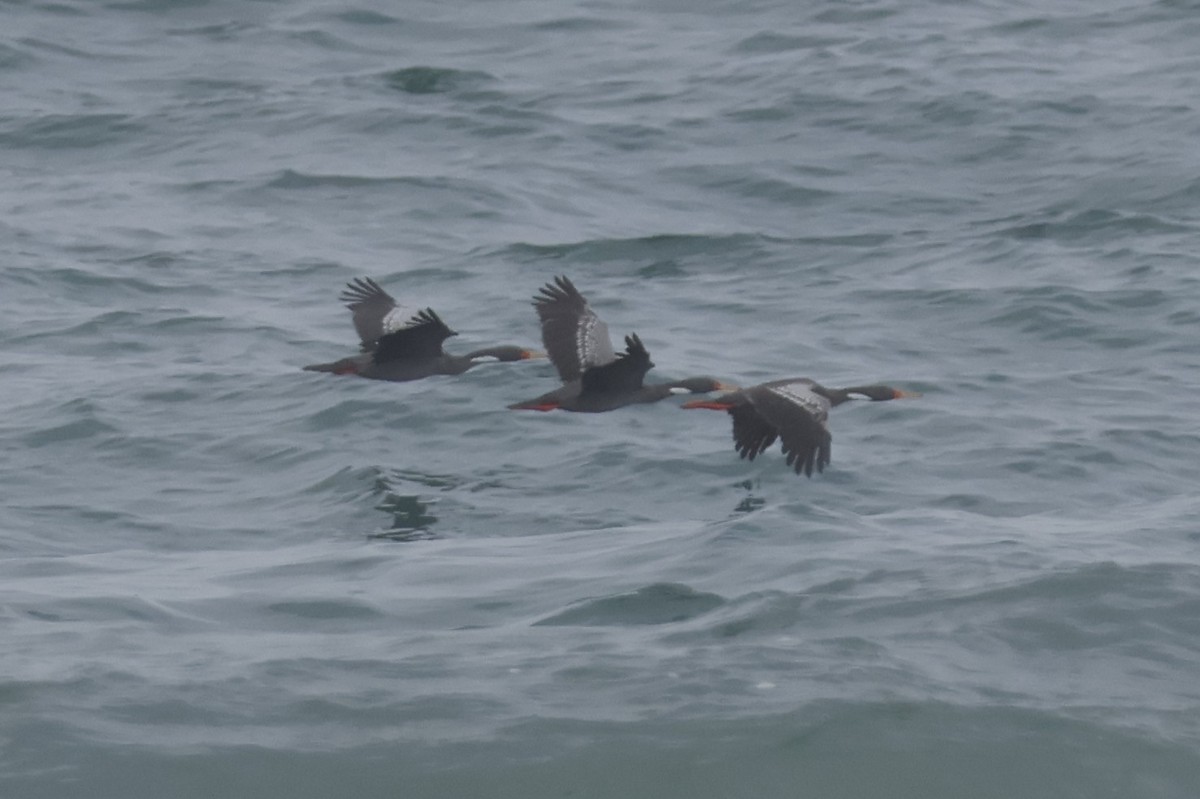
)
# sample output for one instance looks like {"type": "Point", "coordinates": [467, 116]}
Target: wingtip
{"type": "Point", "coordinates": [558, 289]}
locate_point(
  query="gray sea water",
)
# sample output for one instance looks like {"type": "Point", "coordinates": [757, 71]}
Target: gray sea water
{"type": "Point", "coordinates": [223, 576]}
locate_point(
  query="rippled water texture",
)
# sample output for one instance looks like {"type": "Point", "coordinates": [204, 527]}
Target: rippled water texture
{"type": "Point", "coordinates": [223, 576]}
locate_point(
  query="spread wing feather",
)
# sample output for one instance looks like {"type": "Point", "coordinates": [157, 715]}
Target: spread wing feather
{"type": "Point", "coordinates": [799, 415]}
{"type": "Point", "coordinates": [752, 434]}
{"type": "Point", "coordinates": [375, 311]}
{"type": "Point", "coordinates": [420, 339]}
{"type": "Point", "coordinates": [622, 375]}
{"type": "Point", "coordinates": [575, 338]}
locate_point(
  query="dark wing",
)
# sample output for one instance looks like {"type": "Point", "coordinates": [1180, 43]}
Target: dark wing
{"type": "Point", "coordinates": [799, 415]}
{"type": "Point", "coordinates": [574, 337]}
{"type": "Point", "coordinates": [420, 339]}
{"type": "Point", "coordinates": [621, 376]}
{"type": "Point", "coordinates": [752, 434]}
{"type": "Point", "coordinates": [373, 310]}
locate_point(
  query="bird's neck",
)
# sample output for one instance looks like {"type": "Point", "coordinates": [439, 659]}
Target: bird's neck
{"type": "Point", "coordinates": [836, 396]}
{"type": "Point", "coordinates": [492, 354]}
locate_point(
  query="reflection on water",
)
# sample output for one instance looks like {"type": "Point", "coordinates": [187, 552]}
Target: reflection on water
{"type": "Point", "coordinates": [411, 519]}
{"type": "Point", "coordinates": [411, 516]}
{"type": "Point", "coordinates": [750, 502]}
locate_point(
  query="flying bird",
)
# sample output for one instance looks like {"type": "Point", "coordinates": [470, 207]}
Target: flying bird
{"type": "Point", "coordinates": [796, 411]}
{"type": "Point", "coordinates": [401, 345]}
{"type": "Point", "coordinates": [595, 377]}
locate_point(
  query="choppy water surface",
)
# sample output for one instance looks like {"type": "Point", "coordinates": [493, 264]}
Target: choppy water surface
{"type": "Point", "coordinates": [220, 575]}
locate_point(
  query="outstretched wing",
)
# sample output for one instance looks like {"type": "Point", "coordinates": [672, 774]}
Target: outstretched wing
{"type": "Point", "coordinates": [574, 337]}
{"type": "Point", "coordinates": [375, 311]}
{"type": "Point", "coordinates": [420, 339]}
{"type": "Point", "coordinates": [799, 414]}
{"type": "Point", "coordinates": [752, 434]}
{"type": "Point", "coordinates": [622, 375]}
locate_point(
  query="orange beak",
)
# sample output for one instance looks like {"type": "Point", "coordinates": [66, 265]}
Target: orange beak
{"type": "Point", "coordinates": [898, 394]}
{"type": "Point", "coordinates": [529, 355]}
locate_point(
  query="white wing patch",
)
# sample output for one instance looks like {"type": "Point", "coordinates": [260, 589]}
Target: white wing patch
{"type": "Point", "coordinates": [396, 319]}
{"type": "Point", "coordinates": [587, 331]}
{"type": "Point", "coordinates": [816, 405]}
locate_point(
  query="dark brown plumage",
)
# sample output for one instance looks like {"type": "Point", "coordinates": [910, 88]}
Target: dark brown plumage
{"type": "Point", "coordinates": [595, 378]}
{"type": "Point", "coordinates": [796, 411]}
{"type": "Point", "coordinates": [397, 346]}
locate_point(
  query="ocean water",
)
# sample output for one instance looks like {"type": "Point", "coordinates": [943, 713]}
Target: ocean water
{"type": "Point", "coordinates": [223, 576]}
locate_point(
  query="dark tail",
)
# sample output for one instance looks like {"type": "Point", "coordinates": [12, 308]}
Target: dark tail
{"type": "Point", "coordinates": [539, 404]}
{"type": "Point", "coordinates": [346, 366]}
